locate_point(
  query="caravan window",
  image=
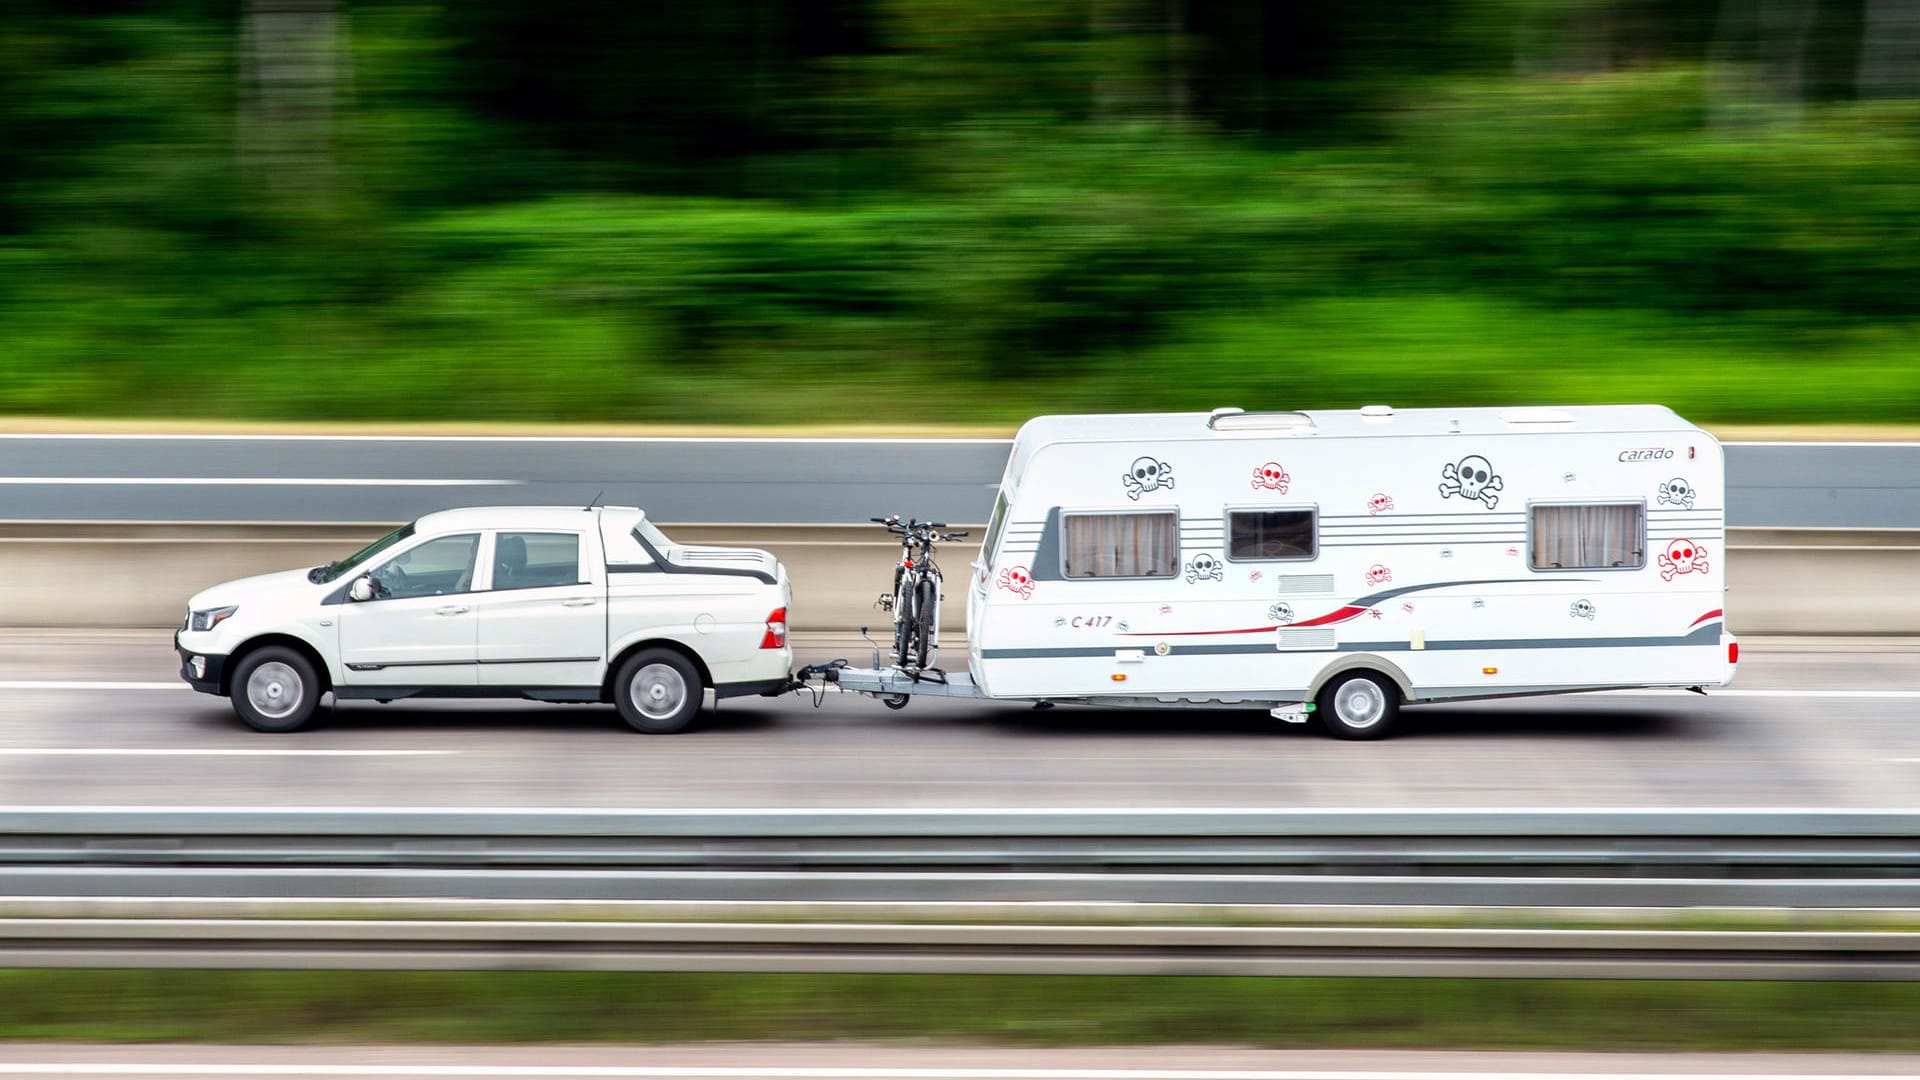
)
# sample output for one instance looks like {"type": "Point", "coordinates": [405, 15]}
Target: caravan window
{"type": "Point", "coordinates": [1144, 545]}
{"type": "Point", "coordinates": [1271, 534]}
{"type": "Point", "coordinates": [994, 526]}
{"type": "Point", "coordinates": [1588, 536]}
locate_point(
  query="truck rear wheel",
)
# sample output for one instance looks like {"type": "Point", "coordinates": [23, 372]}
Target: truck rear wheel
{"type": "Point", "coordinates": [1358, 705]}
{"type": "Point", "coordinates": [658, 692]}
{"type": "Point", "coordinates": [275, 690]}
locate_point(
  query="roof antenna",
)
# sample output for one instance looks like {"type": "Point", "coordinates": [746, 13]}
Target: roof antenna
{"type": "Point", "coordinates": [596, 500]}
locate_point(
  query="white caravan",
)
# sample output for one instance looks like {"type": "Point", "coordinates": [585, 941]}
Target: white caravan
{"type": "Point", "coordinates": [1342, 563]}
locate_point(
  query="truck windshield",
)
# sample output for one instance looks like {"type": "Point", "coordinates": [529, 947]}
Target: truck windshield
{"type": "Point", "coordinates": [337, 570]}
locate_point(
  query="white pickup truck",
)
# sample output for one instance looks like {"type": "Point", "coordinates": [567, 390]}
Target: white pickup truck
{"type": "Point", "coordinates": [547, 603]}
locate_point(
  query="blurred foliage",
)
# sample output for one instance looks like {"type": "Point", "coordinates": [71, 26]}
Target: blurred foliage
{"type": "Point", "coordinates": [823, 210]}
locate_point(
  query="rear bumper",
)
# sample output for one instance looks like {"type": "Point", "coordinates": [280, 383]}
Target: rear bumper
{"type": "Point", "coordinates": [757, 688]}
{"type": "Point", "coordinates": [202, 671]}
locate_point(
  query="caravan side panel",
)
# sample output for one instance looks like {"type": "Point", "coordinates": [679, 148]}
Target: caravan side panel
{"type": "Point", "coordinates": [1476, 565]}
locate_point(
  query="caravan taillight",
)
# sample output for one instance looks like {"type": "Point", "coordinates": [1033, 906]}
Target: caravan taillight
{"type": "Point", "coordinates": [776, 636]}
{"type": "Point", "coordinates": [1733, 652]}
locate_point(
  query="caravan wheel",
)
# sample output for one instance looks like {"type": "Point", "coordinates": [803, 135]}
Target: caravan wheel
{"type": "Point", "coordinates": [1358, 705]}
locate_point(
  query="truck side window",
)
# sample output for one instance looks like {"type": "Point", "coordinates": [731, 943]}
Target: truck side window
{"type": "Point", "coordinates": [1145, 545]}
{"type": "Point", "coordinates": [1272, 534]}
{"type": "Point", "coordinates": [435, 568]}
{"type": "Point", "coordinates": [532, 560]}
{"type": "Point", "coordinates": [1587, 536]}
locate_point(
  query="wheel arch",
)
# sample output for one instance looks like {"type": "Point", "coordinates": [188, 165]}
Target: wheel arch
{"type": "Point", "coordinates": [1362, 662]}
{"type": "Point", "coordinates": [627, 653]}
{"type": "Point", "coordinates": [297, 644]}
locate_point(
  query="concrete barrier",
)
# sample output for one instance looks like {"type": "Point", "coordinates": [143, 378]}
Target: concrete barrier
{"type": "Point", "coordinates": [1780, 581]}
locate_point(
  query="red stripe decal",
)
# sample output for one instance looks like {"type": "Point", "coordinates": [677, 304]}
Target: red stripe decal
{"type": "Point", "coordinates": [1201, 633]}
{"type": "Point", "coordinates": [1345, 613]}
{"type": "Point", "coordinates": [1714, 614]}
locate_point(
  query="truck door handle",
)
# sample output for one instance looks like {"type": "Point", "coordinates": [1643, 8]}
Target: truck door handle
{"type": "Point", "coordinates": [452, 609]}
{"type": "Point", "coordinates": [581, 601]}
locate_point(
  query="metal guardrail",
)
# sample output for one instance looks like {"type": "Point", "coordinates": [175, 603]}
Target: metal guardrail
{"type": "Point", "coordinates": [933, 949]}
{"type": "Point", "coordinates": [1779, 858]}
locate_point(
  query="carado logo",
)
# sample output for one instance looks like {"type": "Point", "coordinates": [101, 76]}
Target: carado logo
{"type": "Point", "coordinates": [1651, 453]}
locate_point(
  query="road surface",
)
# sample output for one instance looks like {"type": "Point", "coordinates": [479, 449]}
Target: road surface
{"type": "Point", "coordinates": [777, 481]}
{"type": "Point", "coordinates": [99, 719]}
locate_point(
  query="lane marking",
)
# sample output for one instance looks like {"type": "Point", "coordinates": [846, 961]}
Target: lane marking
{"type": "Point", "coordinates": [848, 1072]}
{"type": "Point", "coordinates": [511, 440]}
{"type": "Point", "coordinates": [183, 751]}
{"type": "Point", "coordinates": [244, 481]}
{"type": "Point", "coordinates": [54, 684]}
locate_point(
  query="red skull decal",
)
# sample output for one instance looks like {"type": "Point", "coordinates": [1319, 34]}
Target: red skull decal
{"type": "Point", "coordinates": [1683, 556]}
{"type": "Point", "coordinates": [1379, 504]}
{"type": "Point", "coordinates": [1271, 477]}
{"type": "Point", "coordinates": [1378, 575]}
{"type": "Point", "coordinates": [1017, 579]}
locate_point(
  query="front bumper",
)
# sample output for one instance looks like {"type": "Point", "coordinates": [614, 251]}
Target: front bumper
{"type": "Point", "coordinates": [203, 676]}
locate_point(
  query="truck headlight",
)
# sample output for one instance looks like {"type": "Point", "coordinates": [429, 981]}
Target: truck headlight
{"type": "Point", "coordinates": [210, 618]}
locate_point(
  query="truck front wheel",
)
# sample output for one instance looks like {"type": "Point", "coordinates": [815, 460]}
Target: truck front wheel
{"type": "Point", "coordinates": [275, 690]}
{"type": "Point", "coordinates": [658, 692]}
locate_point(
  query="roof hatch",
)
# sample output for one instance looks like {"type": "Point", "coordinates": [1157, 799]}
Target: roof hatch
{"type": "Point", "coordinates": [1298, 423]}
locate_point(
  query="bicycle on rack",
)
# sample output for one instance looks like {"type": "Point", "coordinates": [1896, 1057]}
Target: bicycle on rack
{"type": "Point", "coordinates": [915, 600]}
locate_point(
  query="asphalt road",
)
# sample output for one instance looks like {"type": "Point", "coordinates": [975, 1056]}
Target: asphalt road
{"type": "Point", "coordinates": [783, 481]}
{"type": "Point", "coordinates": [855, 1061]}
{"type": "Point", "coordinates": [92, 720]}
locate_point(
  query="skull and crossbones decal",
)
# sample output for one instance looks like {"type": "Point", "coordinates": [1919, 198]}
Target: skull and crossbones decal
{"type": "Point", "coordinates": [1019, 580]}
{"type": "Point", "coordinates": [1380, 503]}
{"type": "Point", "coordinates": [1147, 474]}
{"type": "Point", "coordinates": [1473, 478]}
{"type": "Point", "coordinates": [1281, 613]}
{"type": "Point", "coordinates": [1203, 567]}
{"type": "Point", "coordinates": [1678, 492]}
{"type": "Point", "coordinates": [1271, 477]}
{"type": "Point", "coordinates": [1378, 575]}
{"type": "Point", "coordinates": [1582, 609]}
{"type": "Point", "coordinates": [1683, 556]}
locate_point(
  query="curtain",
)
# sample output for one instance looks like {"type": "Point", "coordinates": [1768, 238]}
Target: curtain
{"type": "Point", "coordinates": [1121, 545]}
{"type": "Point", "coordinates": [1589, 537]}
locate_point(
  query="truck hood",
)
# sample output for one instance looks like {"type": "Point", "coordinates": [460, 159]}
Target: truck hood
{"type": "Point", "coordinates": [260, 587]}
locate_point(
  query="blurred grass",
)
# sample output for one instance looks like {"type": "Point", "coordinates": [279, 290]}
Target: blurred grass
{"type": "Point", "coordinates": [500, 1007]}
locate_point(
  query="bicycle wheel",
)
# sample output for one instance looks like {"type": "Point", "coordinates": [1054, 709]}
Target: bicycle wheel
{"type": "Point", "coordinates": [926, 610]}
{"type": "Point", "coordinates": [903, 626]}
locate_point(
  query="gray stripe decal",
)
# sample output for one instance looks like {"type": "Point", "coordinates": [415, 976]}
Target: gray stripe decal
{"type": "Point", "coordinates": [1706, 635]}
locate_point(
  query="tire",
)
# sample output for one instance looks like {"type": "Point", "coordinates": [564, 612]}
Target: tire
{"type": "Point", "coordinates": [658, 692]}
{"type": "Point", "coordinates": [926, 608]}
{"type": "Point", "coordinates": [896, 702]}
{"type": "Point", "coordinates": [275, 690]}
{"type": "Point", "coordinates": [903, 616]}
{"type": "Point", "coordinates": [1358, 705]}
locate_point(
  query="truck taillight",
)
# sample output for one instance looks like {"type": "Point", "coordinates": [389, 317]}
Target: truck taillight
{"type": "Point", "coordinates": [776, 636]}
{"type": "Point", "coordinates": [1733, 652]}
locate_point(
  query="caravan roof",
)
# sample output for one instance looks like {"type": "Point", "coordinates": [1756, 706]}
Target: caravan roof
{"type": "Point", "coordinates": [1374, 421]}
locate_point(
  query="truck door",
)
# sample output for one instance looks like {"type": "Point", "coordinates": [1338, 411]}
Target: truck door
{"type": "Point", "coordinates": [543, 615]}
{"type": "Point", "coordinates": [418, 629]}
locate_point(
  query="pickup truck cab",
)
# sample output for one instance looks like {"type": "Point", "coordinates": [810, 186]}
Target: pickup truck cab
{"type": "Point", "coordinates": [546, 603]}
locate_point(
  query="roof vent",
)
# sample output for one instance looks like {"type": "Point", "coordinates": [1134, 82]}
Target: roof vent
{"type": "Point", "coordinates": [1293, 423]}
{"type": "Point", "coordinates": [1537, 416]}
{"type": "Point", "coordinates": [1376, 412]}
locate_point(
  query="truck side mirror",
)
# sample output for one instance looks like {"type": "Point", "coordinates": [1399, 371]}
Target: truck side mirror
{"type": "Point", "coordinates": [361, 589]}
